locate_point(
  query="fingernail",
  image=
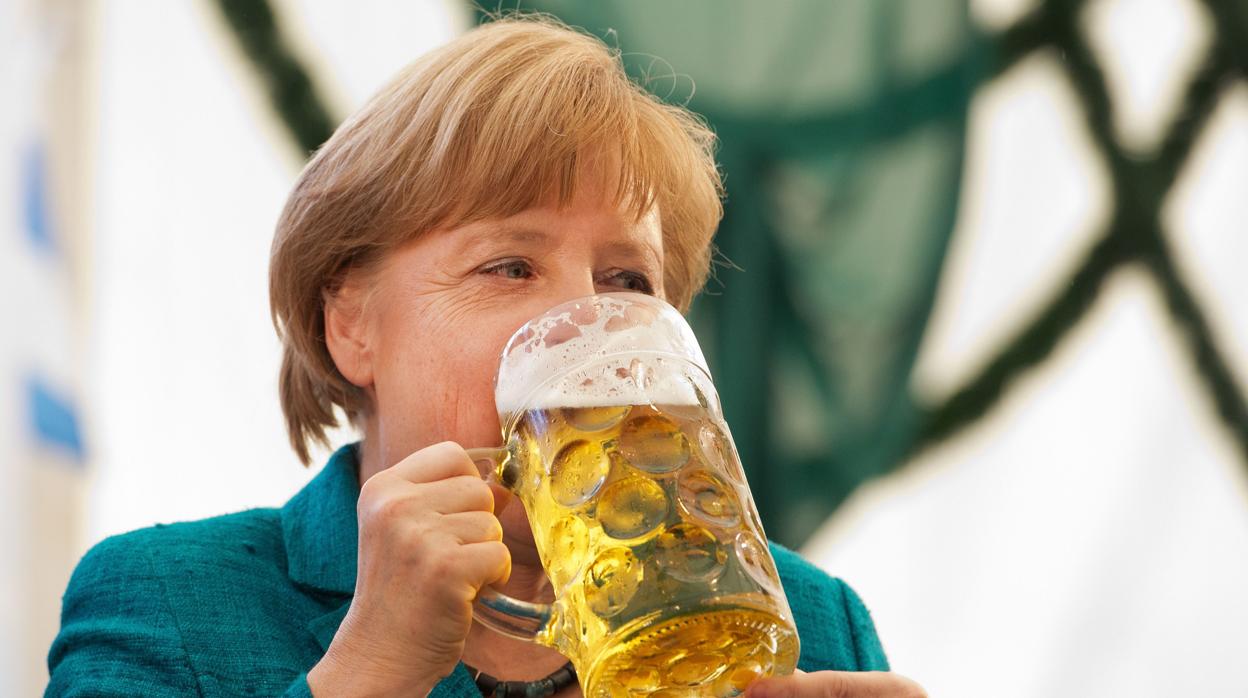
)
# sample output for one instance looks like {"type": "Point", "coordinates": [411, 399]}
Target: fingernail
{"type": "Point", "coordinates": [758, 690]}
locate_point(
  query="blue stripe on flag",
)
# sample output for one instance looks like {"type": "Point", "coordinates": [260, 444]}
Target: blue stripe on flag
{"type": "Point", "coordinates": [52, 418]}
{"type": "Point", "coordinates": [34, 184]}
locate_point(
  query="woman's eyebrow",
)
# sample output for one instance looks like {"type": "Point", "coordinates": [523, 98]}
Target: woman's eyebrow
{"type": "Point", "coordinates": [520, 234]}
{"type": "Point", "coordinates": [491, 235]}
{"type": "Point", "coordinates": [631, 249]}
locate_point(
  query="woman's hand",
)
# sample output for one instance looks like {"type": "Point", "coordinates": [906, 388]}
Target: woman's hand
{"type": "Point", "coordinates": [836, 684]}
{"type": "Point", "coordinates": [429, 541]}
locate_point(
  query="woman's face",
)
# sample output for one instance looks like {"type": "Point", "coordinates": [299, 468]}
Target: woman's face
{"type": "Point", "coordinates": [441, 308]}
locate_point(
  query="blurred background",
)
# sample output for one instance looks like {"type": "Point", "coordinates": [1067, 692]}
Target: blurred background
{"type": "Point", "coordinates": [979, 321]}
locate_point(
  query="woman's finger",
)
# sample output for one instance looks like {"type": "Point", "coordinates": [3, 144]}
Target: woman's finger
{"type": "Point", "coordinates": [436, 462]}
{"type": "Point", "coordinates": [836, 684]}
{"type": "Point", "coordinates": [473, 527]}
{"type": "Point", "coordinates": [459, 493]}
{"type": "Point", "coordinates": [489, 562]}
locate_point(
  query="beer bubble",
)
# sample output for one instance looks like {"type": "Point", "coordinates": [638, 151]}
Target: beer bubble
{"type": "Point", "coordinates": [594, 418]}
{"type": "Point", "coordinates": [690, 553]}
{"type": "Point", "coordinates": [756, 559]}
{"type": "Point", "coordinates": [631, 508]}
{"type": "Point", "coordinates": [706, 497]}
{"type": "Point", "coordinates": [565, 552]}
{"type": "Point", "coordinates": [653, 443]}
{"type": "Point", "coordinates": [611, 581]}
{"type": "Point", "coordinates": [577, 471]}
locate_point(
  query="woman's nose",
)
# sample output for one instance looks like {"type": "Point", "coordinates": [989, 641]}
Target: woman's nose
{"type": "Point", "coordinates": [576, 285]}
{"type": "Point", "coordinates": [558, 289]}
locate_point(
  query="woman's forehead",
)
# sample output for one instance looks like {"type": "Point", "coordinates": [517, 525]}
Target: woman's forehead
{"type": "Point", "coordinates": [598, 221]}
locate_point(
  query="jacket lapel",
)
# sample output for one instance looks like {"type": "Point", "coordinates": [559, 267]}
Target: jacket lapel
{"type": "Point", "coordinates": [319, 527]}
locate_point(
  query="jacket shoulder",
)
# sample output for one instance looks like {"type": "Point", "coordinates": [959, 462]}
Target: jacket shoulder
{"type": "Point", "coordinates": [142, 558]}
{"type": "Point", "coordinates": [253, 532]}
{"type": "Point", "coordinates": [136, 612]}
{"type": "Point", "coordinates": [833, 623]}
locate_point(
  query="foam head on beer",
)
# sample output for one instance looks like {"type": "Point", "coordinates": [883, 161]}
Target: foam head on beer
{"type": "Point", "coordinates": [609, 349]}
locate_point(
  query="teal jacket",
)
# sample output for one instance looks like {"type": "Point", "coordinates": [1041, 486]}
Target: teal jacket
{"type": "Point", "coordinates": [246, 604]}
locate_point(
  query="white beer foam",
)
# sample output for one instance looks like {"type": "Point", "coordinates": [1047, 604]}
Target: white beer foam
{"type": "Point", "coordinates": [613, 382]}
{"type": "Point", "coordinates": [612, 349]}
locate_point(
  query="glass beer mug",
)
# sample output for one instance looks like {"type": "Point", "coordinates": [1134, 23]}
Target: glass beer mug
{"type": "Point", "coordinates": [616, 445]}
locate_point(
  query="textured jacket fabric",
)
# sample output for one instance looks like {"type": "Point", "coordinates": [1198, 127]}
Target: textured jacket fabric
{"type": "Point", "coordinates": [246, 604]}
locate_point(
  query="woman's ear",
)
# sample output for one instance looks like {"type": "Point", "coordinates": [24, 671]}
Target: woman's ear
{"type": "Point", "coordinates": [347, 331]}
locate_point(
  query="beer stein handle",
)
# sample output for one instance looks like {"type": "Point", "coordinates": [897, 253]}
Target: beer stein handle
{"type": "Point", "coordinates": [494, 609]}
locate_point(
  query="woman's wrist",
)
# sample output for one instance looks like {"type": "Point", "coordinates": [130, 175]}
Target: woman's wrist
{"type": "Point", "coordinates": [351, 676]}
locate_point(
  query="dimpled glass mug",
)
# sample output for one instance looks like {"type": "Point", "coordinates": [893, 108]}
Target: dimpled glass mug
{"type": "Point", "coordinates": [616, 446]}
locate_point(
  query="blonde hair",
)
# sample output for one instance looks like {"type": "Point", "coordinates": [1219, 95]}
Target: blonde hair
{"type": "Point", "coordinates": [498, 121]}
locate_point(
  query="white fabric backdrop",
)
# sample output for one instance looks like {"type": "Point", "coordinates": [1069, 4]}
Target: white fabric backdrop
{"type": "Point", "coordinates": [1089, 538]}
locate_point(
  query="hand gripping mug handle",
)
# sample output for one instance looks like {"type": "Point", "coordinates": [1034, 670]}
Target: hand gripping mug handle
{"type": "Point", "coordinates": [494, 609]}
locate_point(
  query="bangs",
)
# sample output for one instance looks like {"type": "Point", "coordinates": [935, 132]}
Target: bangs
{"type": "Point", "coordinates": [549, 166]}
{"type": "Point", "coordinates": [531, 126]}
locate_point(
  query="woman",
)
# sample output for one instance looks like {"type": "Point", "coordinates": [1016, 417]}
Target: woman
{"type": "Point", "coordinates": [511, 170]}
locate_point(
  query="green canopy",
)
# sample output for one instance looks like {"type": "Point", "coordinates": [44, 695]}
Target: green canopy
{"type": "Point", "coordinates": [842, 127]}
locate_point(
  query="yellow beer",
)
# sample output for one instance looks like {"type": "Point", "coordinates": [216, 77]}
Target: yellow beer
{"type": "Point", "coordinates": [616, 445]}
{"type": "Point", "coordinates": [662, 578]}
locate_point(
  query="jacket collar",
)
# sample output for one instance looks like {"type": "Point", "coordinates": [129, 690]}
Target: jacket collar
{"type": "Point", "coordinates": [319, 526]}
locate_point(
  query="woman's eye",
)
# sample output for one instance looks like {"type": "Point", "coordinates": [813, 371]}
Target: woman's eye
{"type": "Point", "coordinates": [511, 269]}
{"type": "Point", "coordinates": [631, 281]}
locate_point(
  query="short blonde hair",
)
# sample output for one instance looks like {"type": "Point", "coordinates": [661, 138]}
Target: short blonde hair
{"type": "Point", "coordinates": [500, 120]}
